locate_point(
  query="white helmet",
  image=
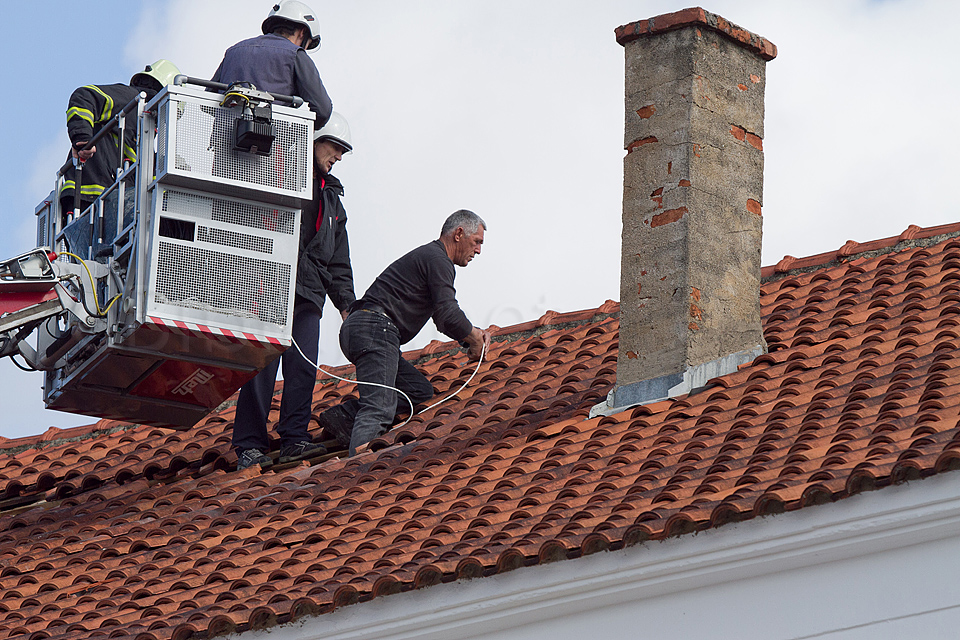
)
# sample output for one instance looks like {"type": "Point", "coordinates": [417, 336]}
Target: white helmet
{"type": "Point", "coordinates": [296, 12]}
{"type": "Point", "coordinates": [337, 130]}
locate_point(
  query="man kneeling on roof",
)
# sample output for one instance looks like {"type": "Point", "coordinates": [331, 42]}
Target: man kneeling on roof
{"type": "Point", "coordinates": [410, 291]}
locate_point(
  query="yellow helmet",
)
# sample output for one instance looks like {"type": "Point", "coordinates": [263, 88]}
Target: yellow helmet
{"type": "Point", "coordinates": [162, 71]}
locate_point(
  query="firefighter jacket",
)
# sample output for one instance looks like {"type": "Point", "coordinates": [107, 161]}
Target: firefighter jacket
{"type": "Point", "coordinates": [274, 64]}
{"type": "Point", "coordinates": [90, 108]}
{"type": "Point", "coordinates": [323, 266]}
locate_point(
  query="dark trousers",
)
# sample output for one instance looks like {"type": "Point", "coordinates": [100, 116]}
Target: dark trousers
{"type": "Point", "coordinates": [299, 379]}
{"type": "Point", "coordinates": [372, 343]}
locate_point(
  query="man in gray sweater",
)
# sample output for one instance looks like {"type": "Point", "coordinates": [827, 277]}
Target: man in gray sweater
{"type": "Point", "coordinates": [413, 289]}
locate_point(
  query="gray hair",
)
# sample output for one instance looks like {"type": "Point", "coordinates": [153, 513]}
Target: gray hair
{"type": "Point", "coordinates": [470, 222]}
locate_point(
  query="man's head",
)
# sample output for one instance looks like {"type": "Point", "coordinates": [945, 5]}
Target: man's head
{"type": "Point", "coordinates": [462, 236]}
{"type": "Point", "coordinates": [331, 142]}
{"type": "Point", "coordinates": [295, 21]}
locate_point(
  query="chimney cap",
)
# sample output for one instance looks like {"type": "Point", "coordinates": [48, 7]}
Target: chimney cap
{"type": "Point", "coordinates": [696, 16]}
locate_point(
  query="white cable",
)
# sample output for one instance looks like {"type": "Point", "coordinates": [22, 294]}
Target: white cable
{"type": "Point", "coordinates": [483, 350]}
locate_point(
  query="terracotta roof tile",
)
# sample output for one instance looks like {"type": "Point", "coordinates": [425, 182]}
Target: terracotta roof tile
{"type": "Point", "coordinates": [127, 530]}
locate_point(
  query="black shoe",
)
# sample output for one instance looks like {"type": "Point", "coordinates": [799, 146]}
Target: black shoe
{"type": "Point", "coordinates": [301, 451]}
{"type": "Point", "coordinates": [337, 424]}
{"type": "Point", "coordinates": [250, 457]}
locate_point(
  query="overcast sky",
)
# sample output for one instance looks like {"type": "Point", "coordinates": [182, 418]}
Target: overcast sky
{"type": "Point", "coordinates": [514, 109]}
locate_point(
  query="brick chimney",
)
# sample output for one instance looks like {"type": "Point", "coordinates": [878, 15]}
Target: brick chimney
{"type": "Point", "coordinates": [692, 196]}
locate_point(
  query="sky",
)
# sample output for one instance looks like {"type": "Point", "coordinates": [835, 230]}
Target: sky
{"type": "Point", "coordinates": [514, 109]}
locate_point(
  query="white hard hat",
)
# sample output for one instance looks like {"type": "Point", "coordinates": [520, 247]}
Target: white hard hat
{"type": "Point", "coordinates": [297, 12]}
{"type": "Point", "coordinates": [337, 130]}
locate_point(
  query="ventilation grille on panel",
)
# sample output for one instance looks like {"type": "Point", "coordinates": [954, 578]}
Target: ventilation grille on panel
{"type": "Point", "coordinates": [42, 222]}
{"type": "Point", "coordinates": [162, 136]}
{"type": "Point", "coordinates": [216, 282]}
{"type": "Point", "coordinates": [204, 150]}
{"type": "Point", "coordinates": [236, 240]}
{"type": "Point", "coordinates": [275, 219]}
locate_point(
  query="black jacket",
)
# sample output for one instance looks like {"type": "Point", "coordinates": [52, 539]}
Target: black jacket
{"type": "Point", "coordinates": [323, 268]}
{"type": "Point", "coordinates": [419, 286]}
{"type": "Point", "coordinates": [90, 108]}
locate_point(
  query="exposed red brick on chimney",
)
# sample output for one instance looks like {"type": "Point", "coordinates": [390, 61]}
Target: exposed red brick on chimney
{"type": "Point", "coordinates": [647, 111]}
{"type": "Point", "coordinates": [639, 143]}
{"type": "Point", "coordinates": [697, 16]}
{"type": "Point", "coordinates": [753, 206]}
{"type": "Point", "coordinates": [671, 215]}
{"type": "Point", "coordinates": [743, 135]}
{"type": "Point", "coordinates": [657, 196]}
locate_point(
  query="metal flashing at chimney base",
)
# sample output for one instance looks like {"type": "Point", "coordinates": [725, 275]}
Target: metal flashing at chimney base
{"type": "Point", "coordinates": [672, 385]}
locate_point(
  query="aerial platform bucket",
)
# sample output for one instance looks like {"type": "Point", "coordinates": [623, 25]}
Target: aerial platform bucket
{"type": "Point", "coordinates": [208, 293]}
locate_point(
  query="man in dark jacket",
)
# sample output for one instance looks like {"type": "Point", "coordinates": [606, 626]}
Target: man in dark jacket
{"type": "Point", "coordinates": [277, 62]}
{"type": "Point", "coordinates": [323, 269]}
{"type": "Point", "coordinates": [90, 109]}
{"type": "Point", "coordinates": [413, 289]}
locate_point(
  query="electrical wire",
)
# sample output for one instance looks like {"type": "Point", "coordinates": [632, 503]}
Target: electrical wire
{"type": "Point", "coordinates": [20, 366]}
{"type": "Point", "coordinates": [93, 284]}
{"type": "Point", "coordinates": [111, 303]}
{"type": "Point", "coordinates": [82, 299]}
{"type": "Point", "coordinates": [483, 351]}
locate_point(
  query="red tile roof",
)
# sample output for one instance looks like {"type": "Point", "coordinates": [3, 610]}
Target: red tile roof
{"type": "Point", "coordinates": [133, 531]}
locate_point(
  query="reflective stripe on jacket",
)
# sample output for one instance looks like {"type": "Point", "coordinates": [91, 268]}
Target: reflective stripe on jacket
{"type": "Point", "coordinates": [90, 108]}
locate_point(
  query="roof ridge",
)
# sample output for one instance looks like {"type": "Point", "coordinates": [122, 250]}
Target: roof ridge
{"type": "Point", "coordinates": [912, 236]}
{"type": "Point", "coordinates": [13, 446]}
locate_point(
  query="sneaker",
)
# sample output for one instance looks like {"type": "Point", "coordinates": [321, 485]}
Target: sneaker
{"type": "Point", "coordinates": [337, 425]}
{"type": "Point", "coordinates": [301, 451]}
{"type": "Point", "coordinates": [250, 457]}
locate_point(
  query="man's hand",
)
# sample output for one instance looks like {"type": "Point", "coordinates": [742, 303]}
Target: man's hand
{"type": "Point", "coordinates": [344, 314]}
{"type": "Point", "coordinates": [84, 155]}
{"type": "Point", "coordinates": [476, 341]}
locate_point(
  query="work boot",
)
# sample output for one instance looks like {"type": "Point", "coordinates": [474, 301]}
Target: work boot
{"type": "Point", "coordinates": [301, 451]}
{"type": "Point", "coordinates": [250, 457]}
{"type": "Point", "coordinates": [337, 424]}
{"type": "Point", "coordinates": [361, 437]}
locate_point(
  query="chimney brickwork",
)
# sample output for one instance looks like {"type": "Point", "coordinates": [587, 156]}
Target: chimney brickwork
{"type": "Point", "coordinates": [692, 196]}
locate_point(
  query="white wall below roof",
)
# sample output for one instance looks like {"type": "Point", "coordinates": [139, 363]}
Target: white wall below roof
{"type": "Point", "coordinates": [884, 564]}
